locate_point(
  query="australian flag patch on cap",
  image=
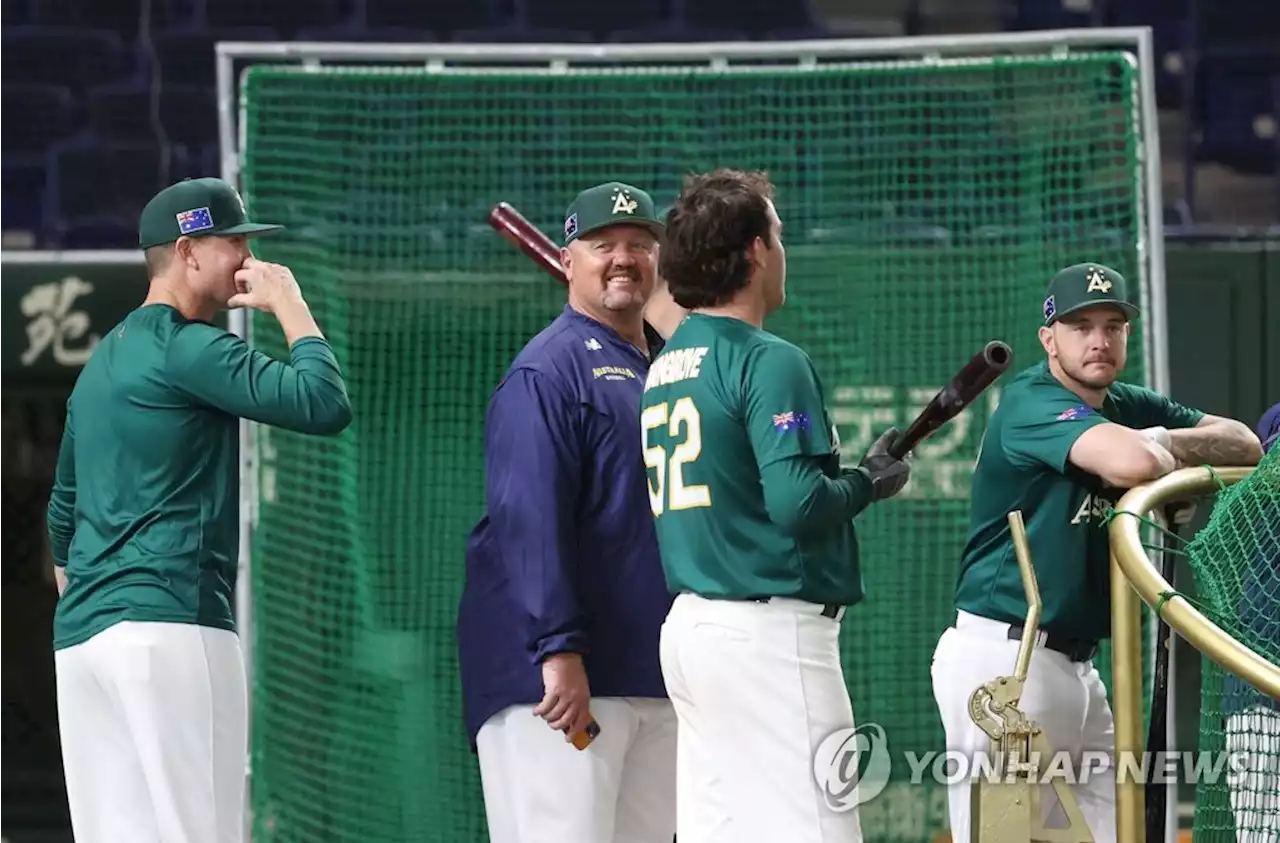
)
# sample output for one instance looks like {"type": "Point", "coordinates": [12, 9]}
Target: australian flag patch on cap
{"type": "Point", "coordinates": [197, 219]}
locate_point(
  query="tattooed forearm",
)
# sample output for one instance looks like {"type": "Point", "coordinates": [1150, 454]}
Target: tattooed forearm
{"type": "Point", "coordinates": [1225, 443]}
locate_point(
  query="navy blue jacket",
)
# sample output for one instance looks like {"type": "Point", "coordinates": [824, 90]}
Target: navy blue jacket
{"type": "Point", "coordinates": [565, 558]}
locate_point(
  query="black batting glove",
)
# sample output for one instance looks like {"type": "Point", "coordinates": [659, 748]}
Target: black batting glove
{"type": "Point", "coordinates": [887, 475]}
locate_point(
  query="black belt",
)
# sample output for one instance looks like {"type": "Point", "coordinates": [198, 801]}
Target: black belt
{"type": "Point", "coordinates": [829, 610]}
{"type": "Point", "coordinates": [1076, 649]}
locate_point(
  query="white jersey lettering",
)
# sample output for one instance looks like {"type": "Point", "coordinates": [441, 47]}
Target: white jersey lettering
{"type": "Point", "coordinates": [1092, 510]}
{"type": "Point", "coordinates": [675, 366]}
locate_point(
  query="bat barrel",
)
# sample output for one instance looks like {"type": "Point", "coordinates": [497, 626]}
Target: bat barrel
{"type": "Point", "coordinates": [966, 385]}
{"type": "Point", "coordinates": [512, 225]}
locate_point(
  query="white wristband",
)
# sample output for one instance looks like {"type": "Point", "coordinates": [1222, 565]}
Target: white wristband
{"type": "Point", "coordinates": [1158, 435]}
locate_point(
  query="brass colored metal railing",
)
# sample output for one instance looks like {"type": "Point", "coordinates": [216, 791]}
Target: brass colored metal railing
{"type": "Point", "coordinates": [1134, 577]}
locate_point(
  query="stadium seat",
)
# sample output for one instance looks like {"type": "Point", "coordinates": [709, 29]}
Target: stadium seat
{"type": "Point", "coordinates": [1173, 37]}
{"type": "Point", "coordinates": [347, 33]}
{"type": "Point", "coordinates": [675, 32]}
{"type": "Point", "coordinates": [445, 17]}
{"type": "Point", "coordinates": [285, 18]}
{"type": "Point", "coordinates": [1236, 116]}
{"type": "Point", "coordinates": [116, 232]}
{"type": "Point", "coordinates": [205, 161]}
{"type": "Point", "coordinates": [35, 117]}
{"type": "Point", "coordinates": [757, 18]}
{"type": "Point", "coordinates": [25, 192]}
{"type": "Point", "coordinates": [1225, 24]}
{"type": "Point", "coordinates": [124, 19]}
{"type": "Point", "coordinates": [15, 13]}
{"type": "Point", "coordinates": [187, 56]}
{"type": "Point", "coordinates": [123, 114]}
{"type": "Point", "coordinates": [71, 57]}
{"type": "Point", "coordinates": [598, 19]}
{"type": "Point", "coordinates": [1025, 15]}
{"type": "Point", "coordinates": [95, 181]}
{"type": "Point", "coordinates": [800, 33]}
{"type": "Point", "coordinates": [515, 33]}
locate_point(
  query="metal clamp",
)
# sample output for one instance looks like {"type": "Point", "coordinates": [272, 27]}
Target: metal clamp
{"type": "Point", "coordinates": [1005, 800]}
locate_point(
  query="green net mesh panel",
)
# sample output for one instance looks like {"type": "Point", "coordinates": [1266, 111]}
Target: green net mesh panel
{"type": "Point", "coordinates": [926, 205]}
{"type": "Point", "coordinates": [1236, 562]}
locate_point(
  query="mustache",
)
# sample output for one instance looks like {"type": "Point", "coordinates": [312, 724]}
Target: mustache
{"type": "Point", "coordinates": [630, 271]}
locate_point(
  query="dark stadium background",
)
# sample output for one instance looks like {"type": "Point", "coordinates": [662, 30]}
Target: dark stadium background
{"type": "Point", "coordinates": [105, 101]}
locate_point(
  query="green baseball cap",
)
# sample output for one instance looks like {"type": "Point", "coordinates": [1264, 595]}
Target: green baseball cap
{"type": "Point", "coordinates": [611, 203]}
{"type": "Point", "coordinates": [196, 208]}
{"type": "Point", "coordinates": [1086, 285]}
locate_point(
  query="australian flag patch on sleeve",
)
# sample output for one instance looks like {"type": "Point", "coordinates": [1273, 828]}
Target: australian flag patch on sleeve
{"type": "Point", "coordinates": [1076, 413]}
{"type": "Point", "coordinates": [197, 219]}
{"type": "Point", "coordinates": [790, 420]}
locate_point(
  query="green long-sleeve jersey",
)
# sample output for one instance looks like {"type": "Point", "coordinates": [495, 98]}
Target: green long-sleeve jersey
{"type": "Point", "coordinates": [144, 511]}
{"type": "Point", "coordinates": [743, 461]}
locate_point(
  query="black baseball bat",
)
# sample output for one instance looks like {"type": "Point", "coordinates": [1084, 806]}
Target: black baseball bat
{"type": "Point", "coordinates": [965, 385]}
{"type": "Point", "coordinates": [1157, 730]}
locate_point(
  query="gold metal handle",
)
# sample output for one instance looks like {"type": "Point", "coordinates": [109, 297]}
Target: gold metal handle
{"type": "Point", "coordinates": [1022, 550]}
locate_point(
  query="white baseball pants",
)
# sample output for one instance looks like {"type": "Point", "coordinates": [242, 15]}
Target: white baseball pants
{"type": "Point", "coordinates": [538, 788]}
{"type": "Point", "coordinates": [1255, 792]}
{"type": "Point", "coordinates": [154, 744]}
{"type": "Point", "coordinates": [1067, 699]}
{"type": "Point", "coordinates": [757, 688]}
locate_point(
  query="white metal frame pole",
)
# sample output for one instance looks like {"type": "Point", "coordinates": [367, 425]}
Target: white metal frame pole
{"type": "Point", "coordinates": [238, 323]}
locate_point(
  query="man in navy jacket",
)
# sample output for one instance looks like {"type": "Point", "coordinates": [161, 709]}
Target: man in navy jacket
{"type": "Point", "coordinates": [564, 600]}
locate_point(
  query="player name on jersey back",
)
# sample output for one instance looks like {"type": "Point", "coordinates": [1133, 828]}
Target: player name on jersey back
{"type": "Point", "coordinates": [676, 365]}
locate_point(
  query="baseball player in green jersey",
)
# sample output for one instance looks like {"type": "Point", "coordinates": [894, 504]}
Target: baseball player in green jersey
{"type": "Point", "coordinates": [1065, 443]}
{"type": "Point", "coordinates": [144, 528]}
{"type": "Point", "coordinates": [754, 517]}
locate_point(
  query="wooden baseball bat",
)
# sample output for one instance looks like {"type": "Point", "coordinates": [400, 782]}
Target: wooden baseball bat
{"type": "Point", "coordinates": [528, 238]}
{"type": "Point", "coordinates": [966, 385]}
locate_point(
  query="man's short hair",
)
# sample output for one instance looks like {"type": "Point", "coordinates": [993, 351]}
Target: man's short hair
{"type": "Point", "coordinates": [158, 258]}
{"type": "Point", "coordinates": [709, 232]}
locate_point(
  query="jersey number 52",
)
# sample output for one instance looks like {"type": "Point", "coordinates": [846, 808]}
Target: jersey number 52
{"type": "Point", "coordinates": [669, 490]}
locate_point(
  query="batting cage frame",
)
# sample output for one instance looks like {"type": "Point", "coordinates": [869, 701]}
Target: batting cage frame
{"type": "Point", "coordinates": [800, 56]}
{"type": "Point", "coordinates": [1136, 582]}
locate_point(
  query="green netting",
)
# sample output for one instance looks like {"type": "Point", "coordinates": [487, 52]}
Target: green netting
{"type": "Point", "coordinates": [925, 203]}
{"type": "Point", "coordinates": [1236, 562]}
